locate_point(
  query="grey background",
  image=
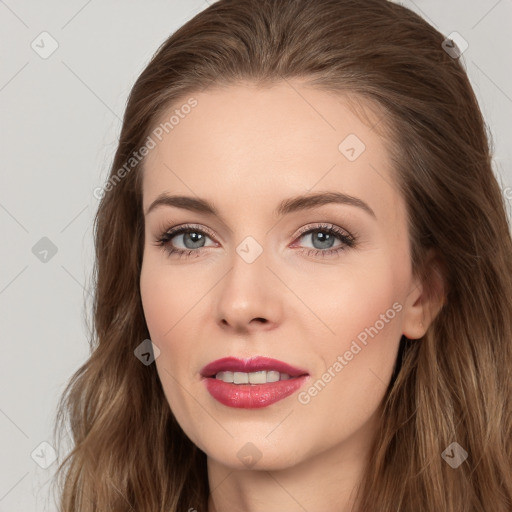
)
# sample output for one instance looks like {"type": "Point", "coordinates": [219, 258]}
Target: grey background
{"type": "Point", "coordinates": [60, 120]}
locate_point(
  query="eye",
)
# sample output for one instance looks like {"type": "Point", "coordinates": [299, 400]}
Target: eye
{"type": "Point", "coordinates": [193, 238]}
{"type": "Point", "coordinates": [323, 238]}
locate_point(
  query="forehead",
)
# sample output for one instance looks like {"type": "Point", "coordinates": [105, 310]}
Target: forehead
{"type": "Point", "coordinates": [270, 142]}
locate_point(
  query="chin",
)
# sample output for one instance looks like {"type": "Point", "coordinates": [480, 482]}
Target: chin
{"type": "Point", "coordinates": [255, 455]}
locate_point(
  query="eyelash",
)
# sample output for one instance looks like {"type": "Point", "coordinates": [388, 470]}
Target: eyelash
{"type": "Point", "coordinates": [349, 241]}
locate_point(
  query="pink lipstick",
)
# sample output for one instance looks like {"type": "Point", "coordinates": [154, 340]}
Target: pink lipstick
{"type": "Point", "coordinates": [251, 383]}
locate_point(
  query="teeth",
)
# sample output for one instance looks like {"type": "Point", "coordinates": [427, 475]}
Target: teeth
{"type": "Point", "coordinates": [272, 376]}
{"type": "Point", "coordinates": [261, 377]}
{"type": "Point", "coordinates": [240, 378]}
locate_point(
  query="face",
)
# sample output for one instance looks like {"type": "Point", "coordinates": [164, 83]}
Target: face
{"type": "Point", "coordinates": [325, 286]}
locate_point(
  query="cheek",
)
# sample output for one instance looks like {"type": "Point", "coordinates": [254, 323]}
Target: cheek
{"type": "Point", "coordinates": [353, 299]}
{"type": "Point", "coordinates": [362, 310]}
{"type": "Point", "coordinates": [155, 302]}
{"type": "Point", "coordinates": [168, 293]}
{"type": "Point", "coordinates": [165, 310]}
{"type": "Point", "coordinates": [168, 298]}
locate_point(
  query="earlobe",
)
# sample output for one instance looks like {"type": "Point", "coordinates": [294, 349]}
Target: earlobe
{"type": "Point", "coordinates": [425, 298]}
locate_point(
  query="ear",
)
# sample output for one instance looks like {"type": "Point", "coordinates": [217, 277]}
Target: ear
{"type": "Point", "coordinates": [425, 298]}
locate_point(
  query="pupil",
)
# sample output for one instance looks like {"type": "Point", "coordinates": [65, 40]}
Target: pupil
{"type": "Point", "coordinates": [326, 240]}
{"type": "Point", "coordinates": [195, 237]}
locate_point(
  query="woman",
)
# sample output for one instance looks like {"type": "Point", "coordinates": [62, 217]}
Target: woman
{"type": "Point", "coordinates": [303, 276]}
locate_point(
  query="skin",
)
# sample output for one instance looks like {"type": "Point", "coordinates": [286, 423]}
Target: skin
{"type": "Point", "coordinates": [246, 149]}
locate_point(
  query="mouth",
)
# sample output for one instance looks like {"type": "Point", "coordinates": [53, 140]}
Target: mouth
{"type": "Point", "coordinates": [256, 370]}
{"type": "Point", "coordinates": [259, 377]}
{"type": "Point", "coordinates": [252, 383]}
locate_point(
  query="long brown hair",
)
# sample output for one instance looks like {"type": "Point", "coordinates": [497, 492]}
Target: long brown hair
{"type": "Point", "coordinates": [453, 385]}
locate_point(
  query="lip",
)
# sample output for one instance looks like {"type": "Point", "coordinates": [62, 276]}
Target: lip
{"type": "Point", "coordinates": [251, 396]}
{"type": "Point", "coordinates": [253, 364]}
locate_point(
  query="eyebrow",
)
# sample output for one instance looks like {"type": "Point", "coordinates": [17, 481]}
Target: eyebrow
{"type": "Point", "coordinates": [287, 206]}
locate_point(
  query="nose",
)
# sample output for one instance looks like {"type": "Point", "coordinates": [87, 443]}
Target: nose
{"type": "Point", "coordinates": [249, 297]}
